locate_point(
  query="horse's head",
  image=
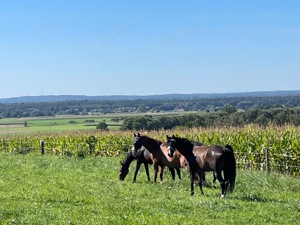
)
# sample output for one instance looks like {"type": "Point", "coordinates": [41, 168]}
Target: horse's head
{"type": "Point", "coordinates": [171, 145]}
{"type": "Point", "coordinates": [136, 144]}
{"type": "Point", "coordinates": [123, 171]}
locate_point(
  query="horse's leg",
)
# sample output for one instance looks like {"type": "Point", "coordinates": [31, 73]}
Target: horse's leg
{"type": "Point", "coordinates": [205, 184]}
{"type": "Point", "coordinates": [215, 178]}
{"type": "Point", "coordinates": [155, 170]}
{"type": "Point", "coordinates": [178, 173]}
{"type": "Point", "coordinates": [192, 179]}
{"type": "Point", "coordinates": [137, 168]}
{"type": "Point", "coordinates": [200, 177]}
{"type": "Point", "coordinates": [218, 174]}
{"type": "Point", "coordinates": [161, 173]}
{"type": "Point", "coordinates": [172, 171]}
{"type": "Point", "coordinates": [147, 171]}
{"type": "Point", "coordinates": [226, 180]}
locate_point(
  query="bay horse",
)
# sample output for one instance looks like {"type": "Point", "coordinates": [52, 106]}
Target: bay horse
{"type": "Point", "coordinates": [160, 157]}
{"type": "Point", "coordinates": [203, 158]}
{"type": "Point", "coordinates": [143, 156]}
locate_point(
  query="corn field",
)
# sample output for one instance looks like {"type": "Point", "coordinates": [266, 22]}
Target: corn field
{"type": "Point", "coordinates": [249, 143]}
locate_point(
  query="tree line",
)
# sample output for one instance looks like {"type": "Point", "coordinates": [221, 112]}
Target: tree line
{"type": "Point", "coordinates": [84, 107]}
{"type": "Point", "coordinates": [228, 116]}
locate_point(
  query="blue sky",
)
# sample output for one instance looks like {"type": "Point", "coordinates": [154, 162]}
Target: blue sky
{"type": "Point", "coordinates": [148, 47]}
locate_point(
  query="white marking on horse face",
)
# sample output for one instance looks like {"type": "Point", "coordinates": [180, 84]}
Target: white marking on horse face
{"type": "Point", "coordinates": [216, 153]}
{"type": "Point", "coordinates": [170, 151]}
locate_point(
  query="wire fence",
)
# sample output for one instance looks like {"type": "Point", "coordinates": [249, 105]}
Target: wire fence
{"type": "Point", "coordinates": [280, 163]}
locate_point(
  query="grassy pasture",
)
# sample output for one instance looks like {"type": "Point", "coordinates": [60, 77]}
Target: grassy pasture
{"type": "Point", "coordinates": [67, 122]}
{"type": "Point", "coordinates": [54, 124]}
{"type": "Point", "coordinates": [49, 189]}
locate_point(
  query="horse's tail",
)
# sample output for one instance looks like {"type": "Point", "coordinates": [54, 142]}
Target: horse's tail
{"type": "Point", "coordinates": [231, 167]}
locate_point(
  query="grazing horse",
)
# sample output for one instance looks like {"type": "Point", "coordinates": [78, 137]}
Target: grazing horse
{"type": "Point", "coordinates": [214, 158]}
{"type": "Point", "coordinates": [143, 156]}
{"type": "Point", "coordinates": [160, 156]}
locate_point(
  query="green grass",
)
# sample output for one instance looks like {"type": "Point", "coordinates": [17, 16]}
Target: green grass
{"type": "Point", "coordinates": [49, 189]}
{"type": "Point", "coordinates": [55, 124]}
{"type": "Point", "coordinates": [59, 123]}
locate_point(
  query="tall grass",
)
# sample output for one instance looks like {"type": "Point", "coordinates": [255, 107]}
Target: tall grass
{"type": "Point", "coordinates": [52, 189]}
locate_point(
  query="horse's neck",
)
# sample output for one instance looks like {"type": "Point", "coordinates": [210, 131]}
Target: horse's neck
{"type": "Point", "coordinates": [151, 144]}
{"type": "Point", "coordinates": [129, 158]}
{"type": "Point", "coordinates": [186, 149]}
{"type": "Point", "coordinates": [187, 152]}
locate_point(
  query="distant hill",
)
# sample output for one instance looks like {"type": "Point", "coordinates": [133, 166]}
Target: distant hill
{"type": "Point", "coordinates": [60, 98]}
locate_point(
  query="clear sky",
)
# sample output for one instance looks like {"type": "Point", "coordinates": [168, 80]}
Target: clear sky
{"type": "Point", "coordinates": [148, 47]}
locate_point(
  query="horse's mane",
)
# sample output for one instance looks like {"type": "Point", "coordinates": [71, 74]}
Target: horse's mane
{"type": "Point", "coordinates": [128, 158]}
{"type": "Point", "coordinates": [184, 140]}
{"type": "Point", "coordinates": [152, 139]}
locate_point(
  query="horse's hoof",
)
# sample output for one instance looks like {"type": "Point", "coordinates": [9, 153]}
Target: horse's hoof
{"type": "Point", "coordinates": [222, 196]}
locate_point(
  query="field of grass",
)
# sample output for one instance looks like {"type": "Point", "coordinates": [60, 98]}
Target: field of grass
{"type": "Point", "coordinates": [50, 189]}
{"type": "Point", "coordinates": [55, 124]}
{"type": "Point", "coordinates": [66, 122]}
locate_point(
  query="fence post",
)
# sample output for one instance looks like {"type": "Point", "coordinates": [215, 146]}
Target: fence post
{"type": "Point", "coordinates": [267, 161]}
{"type": "Point", "coordinates": [42, 148]}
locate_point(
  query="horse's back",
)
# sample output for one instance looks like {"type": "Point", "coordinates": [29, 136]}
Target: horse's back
{"type": "Point", "coordinates": [208, 156]}
{"type": "Point", "coordinates": [200, 150]}
{"type": "Point", "coordinates": [145, 156]}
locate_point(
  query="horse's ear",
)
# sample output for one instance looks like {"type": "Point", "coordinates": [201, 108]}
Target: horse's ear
{"type": "Point", "coordinates": [134, 134]}
{"type": "Point", "coordinates": [139, 135]}
{"type": "Point", "coordinates": [173, 136]}
{"type": "Point", "coordinates": [167, 136]}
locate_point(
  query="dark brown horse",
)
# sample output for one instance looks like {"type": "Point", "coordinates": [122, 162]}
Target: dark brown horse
{"type": "Point", "coordinates": [214, 158]}
{"type": "Point", "coordinates": [143, 156]}
{"type": "Point", "coordinates": [160, 157]}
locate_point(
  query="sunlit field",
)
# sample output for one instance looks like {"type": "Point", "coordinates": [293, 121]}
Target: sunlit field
{"type": "Point", "coordinates": [61, 123]}
{"type": "Point", "coordinates": [54, 124]}
{"type": "Point", "coordinates": [74, 184]}
{"type": "Point", "coordinates": [50, 189]}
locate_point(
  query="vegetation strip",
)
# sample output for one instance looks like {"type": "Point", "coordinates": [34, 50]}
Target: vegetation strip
{"type": "Point", "coordinates": [249, 143]}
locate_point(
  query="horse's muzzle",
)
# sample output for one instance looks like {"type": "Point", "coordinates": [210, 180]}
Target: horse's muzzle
{"type": "Point", "coordinates": [170, 151]}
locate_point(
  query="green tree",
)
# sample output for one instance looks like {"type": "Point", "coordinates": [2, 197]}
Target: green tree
{"type": "Point", "coordinates": [102, 126]}
{"type": "Point", "coordinates": [142, 108]}
{"type": "Point", "coordinates": [228, 109]}
{"type": "Point", "coordinates": [140, 123]}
